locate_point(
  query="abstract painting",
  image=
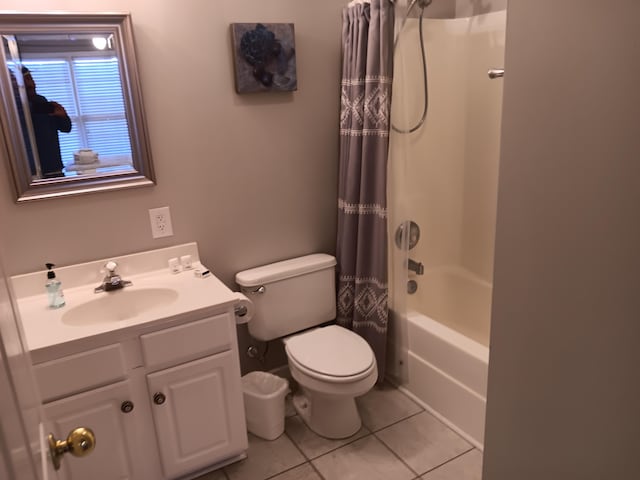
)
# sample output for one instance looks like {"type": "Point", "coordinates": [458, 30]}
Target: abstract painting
{"type": "Point", "coordinates": [264, 57]}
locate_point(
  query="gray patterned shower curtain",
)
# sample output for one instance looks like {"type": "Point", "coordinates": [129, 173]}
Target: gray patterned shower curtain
{"type": "Point", "coordinates": [367, 66]}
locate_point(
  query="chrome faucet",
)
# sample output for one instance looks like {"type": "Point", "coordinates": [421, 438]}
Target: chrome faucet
{"type": "Point", "coordinates": [112, 281]}
{"type": "Point", "coordinates": [416, 267]}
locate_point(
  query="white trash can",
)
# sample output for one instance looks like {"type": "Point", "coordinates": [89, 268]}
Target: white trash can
{"type": "Point", "coordinates": [264, 395]}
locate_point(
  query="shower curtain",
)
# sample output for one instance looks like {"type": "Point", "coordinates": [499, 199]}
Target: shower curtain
{"type": "Point", "coordinates": [367, 36]}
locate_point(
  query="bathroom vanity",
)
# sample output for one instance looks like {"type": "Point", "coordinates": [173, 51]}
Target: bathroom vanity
{"type": "Point", "coordinates": [152, 369]}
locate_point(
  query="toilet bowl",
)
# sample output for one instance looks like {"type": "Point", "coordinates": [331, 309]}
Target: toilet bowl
{"type": "Point", "coordinates": [333, 366]}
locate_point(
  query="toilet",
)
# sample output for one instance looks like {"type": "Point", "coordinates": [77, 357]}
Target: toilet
{"type": "Point", "coordinates": [332, 365]}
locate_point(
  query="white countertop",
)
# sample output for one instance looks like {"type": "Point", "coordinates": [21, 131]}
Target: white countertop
{"type": "Point", "coordinates": [44, 327]}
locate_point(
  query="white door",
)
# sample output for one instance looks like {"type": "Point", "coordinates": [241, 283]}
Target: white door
{"type": "Point", "coordinates": [23, 424]}
{"type": "Point", "coordinates": [21, 415]}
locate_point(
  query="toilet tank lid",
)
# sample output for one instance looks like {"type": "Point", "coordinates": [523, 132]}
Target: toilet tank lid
{"type": "Point", "coordinates": [285, 269]}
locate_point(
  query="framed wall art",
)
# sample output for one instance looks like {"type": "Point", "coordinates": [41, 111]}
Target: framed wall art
{"type": "Point", "coordinates": [264, 57]}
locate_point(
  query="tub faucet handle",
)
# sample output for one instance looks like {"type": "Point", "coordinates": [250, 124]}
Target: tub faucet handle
{"type": "Point", "coordinates": [416, 267]}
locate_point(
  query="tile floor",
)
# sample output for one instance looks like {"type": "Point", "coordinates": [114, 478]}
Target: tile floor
{"type": "Point", "coordinates": [399, 440]}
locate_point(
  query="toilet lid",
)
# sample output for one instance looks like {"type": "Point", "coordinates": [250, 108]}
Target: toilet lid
{"type": "Point", "coordinates": [333, 351]}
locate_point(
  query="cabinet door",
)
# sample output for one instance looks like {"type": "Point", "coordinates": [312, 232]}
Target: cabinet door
{"type": "Point", "coordinates": [99, 410]}
{"type": "Point", "coordinates": [198, 412]}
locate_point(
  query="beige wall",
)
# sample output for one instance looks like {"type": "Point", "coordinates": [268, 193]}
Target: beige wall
{"type": "Point", "coordinates": [485, 45]}
{"type": "Point", "coordinates": [563, 376]}
{"type": "Point", "coordinates": [467, 8]}
{"type": "Point", "coordinates": [251, 178]}
{"type": "Point", "coordinates": [458, 8]}
{"type": "Point", "coordinates": [437, 9]}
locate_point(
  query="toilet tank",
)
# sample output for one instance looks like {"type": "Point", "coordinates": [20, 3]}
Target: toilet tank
{"type": "Point", "coordinates": [291, 295]}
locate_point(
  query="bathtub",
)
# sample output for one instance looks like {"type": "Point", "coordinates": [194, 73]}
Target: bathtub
{"type": "Point", "coordinates": [446, 334]}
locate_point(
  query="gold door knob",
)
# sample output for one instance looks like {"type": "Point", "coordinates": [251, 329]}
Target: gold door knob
{"type": "Point", "coordinates": [80, 442]}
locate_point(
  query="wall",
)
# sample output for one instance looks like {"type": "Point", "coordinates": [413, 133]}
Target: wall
{"type": "Point", "coordinates": [437, 9]}
{"type": "Point", "coordinates": [485, 45]}
{"type": "Point", "coordinates": [251, 178]}
{"type": "Point", "coordinates": [468, 8]}
{"type": "Point", "coordinates": [456, 8]}
{"type": "Point", "coordinates": [563, 376]}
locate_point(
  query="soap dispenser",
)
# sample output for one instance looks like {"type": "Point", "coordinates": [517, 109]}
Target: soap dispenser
{"type": "Point", "coordinates": [54, 288]}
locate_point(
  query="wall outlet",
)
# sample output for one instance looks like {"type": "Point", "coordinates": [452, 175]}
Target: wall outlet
{"type": "Point", "coordinates": [160, 222]}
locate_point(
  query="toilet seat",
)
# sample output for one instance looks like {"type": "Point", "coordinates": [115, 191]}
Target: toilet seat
{"type": "Point", "coordinates": [333, 354]}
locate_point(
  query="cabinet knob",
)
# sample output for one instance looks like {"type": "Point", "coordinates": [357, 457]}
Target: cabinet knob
{"type": "Point", "coordinates": [159, 398]}
{"type": "Point", "coordinates": [127, 406]}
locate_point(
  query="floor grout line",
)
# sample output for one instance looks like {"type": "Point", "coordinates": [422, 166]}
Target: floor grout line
{"type": "Point", "coordinates": [397, 387]}
{"type": "Point", "coordinates": [343, 445]}
{"type": "Point", "coordinates": [317, 471]}
{"type": "Point", "coordinates": [396, 455]}
{"type": "Point", "coordinates": [448, 461]}
{"type": "Point", "coordinates": [369, 432]}
{"type": "Point", "coordinates": [285, 471]}
{"type": "Point", "coordinates": [396, 422]}
{"type": "Point", "coordinates": [295, 444]}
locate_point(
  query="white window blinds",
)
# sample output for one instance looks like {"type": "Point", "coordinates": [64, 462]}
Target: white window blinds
{"type": "Point", "coordinates": [90, 91]}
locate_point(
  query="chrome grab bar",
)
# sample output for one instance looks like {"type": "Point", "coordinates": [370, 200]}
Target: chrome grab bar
{"type": "Point", "coordinates": [495, 73]}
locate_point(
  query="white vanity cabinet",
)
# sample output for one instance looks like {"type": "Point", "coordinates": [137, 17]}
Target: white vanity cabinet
{"type": "Point", "coordinates": [195, 412]}
{"type": "Point", "coordinates": [197, 402]}
{"type": "Point", "coordinates": [164, 401]}
{"type": "Point", "coordinates": [115, 454]}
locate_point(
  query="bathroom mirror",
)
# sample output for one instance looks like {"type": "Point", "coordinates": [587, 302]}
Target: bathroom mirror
{"type": "Point", "coordinates": [72, 114]}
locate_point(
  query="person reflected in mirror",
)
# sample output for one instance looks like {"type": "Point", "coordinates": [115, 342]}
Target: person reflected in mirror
{"type": "Point", "coordinates": [48, 119]}
{"type": "Point", "coordinates": [23, 122]}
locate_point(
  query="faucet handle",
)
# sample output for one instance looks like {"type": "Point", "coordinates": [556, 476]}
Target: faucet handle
{"type": "Point", "coordinates": [111, 266]}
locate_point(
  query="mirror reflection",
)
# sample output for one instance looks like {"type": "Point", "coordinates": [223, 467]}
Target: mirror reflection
{"type": "Point", "coordinates": [75, 119]}
{"type": "Point", "coordinates": [75, 101]}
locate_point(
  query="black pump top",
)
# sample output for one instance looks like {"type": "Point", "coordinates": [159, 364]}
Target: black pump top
{"type": "Point", "coordinates": [50, 274]}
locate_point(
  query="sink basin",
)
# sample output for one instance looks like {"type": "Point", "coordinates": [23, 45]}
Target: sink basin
{"type": "Point", "coordinates": [119, 305]}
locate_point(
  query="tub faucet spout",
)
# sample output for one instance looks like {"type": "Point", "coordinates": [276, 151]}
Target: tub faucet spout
{"type": "Point", "coordinates": [416, 267]}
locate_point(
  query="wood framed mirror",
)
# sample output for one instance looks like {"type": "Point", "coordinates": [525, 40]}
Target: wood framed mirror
{"type": "Point", "coordinates": [72, 113]}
